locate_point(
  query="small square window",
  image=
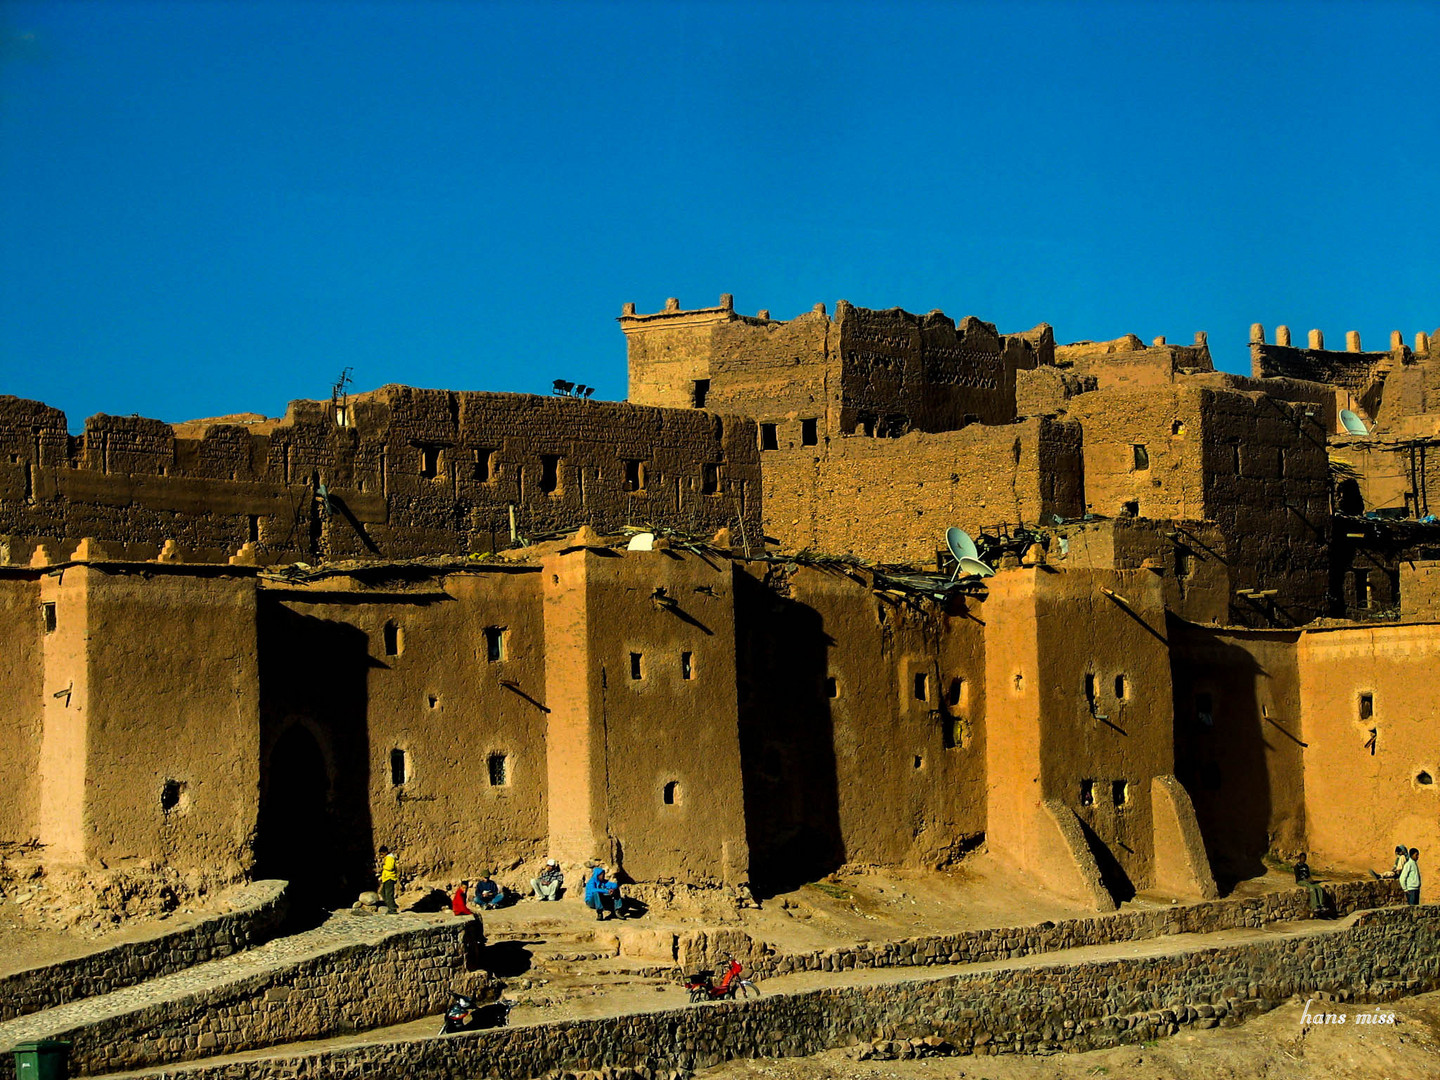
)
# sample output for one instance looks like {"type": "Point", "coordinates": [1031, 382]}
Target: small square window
{"type": "Point", "coordinates": [768, 439]}
{"type": "Point", "coordinates": [671, 793]}
{"type": "Point", "coordinates": [484, 466]}
{"type": "Point", "coordinates": [429, 462]}
{"type": "Point", "coordinates": [832, 687]}
{"type": "Point", "coordinates": [394, 639]}
{"type": "Point", "coordinates": [710, 478]}
{"type": "Point", "coordinates": [634, 474]}
{"type": "Point", "coordinates": [47, 617]}
{"type": "Point", "coordinates": [494, 643]}
{"type": "Point", "coordinates": [399, 767]}
{"type": "Point", "coordinates": [687, 666]}
{"type": "Point", "coordinates": [1139, 457]}
{"type": "Point", "coordinates": [1367, 705]}
{"type": "Point", "coordinates": [922, 686]}
{"type": "Point", "coordinates": [1130, 508]}
{"type": "Point", "coordinates": [1087, 792]}
{"type": "Point", "coordinates": [1122, 688]}
{"type": "Point", "coordinates": [636, 671]}
{"type": "Point", "coordinates": [699, 391]}
{"type": "Point", "coordinates": [1119, 792]}
{"type": "Point", "coordinates": [1184, 563]}
{"type": "Point", "coordinates": [957, 692]}
{"type": "Point", "coordinates": [809, 432]}
{"type": "Point", "coordinates": [549, 473]}
{"type": "Point", "coordinates": [498, 766]}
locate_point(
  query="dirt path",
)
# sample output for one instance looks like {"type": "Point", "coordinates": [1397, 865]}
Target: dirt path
{"type": "Point", "coordinates": [1276, 1046]}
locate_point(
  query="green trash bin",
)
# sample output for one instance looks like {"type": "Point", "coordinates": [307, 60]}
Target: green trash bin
{"type": "Point", "coordinates": [43, 1060]}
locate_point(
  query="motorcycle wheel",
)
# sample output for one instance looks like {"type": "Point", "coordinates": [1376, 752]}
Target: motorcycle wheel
{"type": "Point", "coordinates": [697, 995]}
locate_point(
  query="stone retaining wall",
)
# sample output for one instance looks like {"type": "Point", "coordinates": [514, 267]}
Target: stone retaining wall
{"type": "Point", "coordinates": [1064, 1007]}
{"type": "Point", "coordinates": [261, 911]}
{"type": "Point", "coordinates": [362, 986]}
{"type": "Point", "coordinates": [705, 948]}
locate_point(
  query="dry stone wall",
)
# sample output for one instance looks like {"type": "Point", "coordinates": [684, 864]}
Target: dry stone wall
{"type": "Point", "coordinates": [366, 985]}
{"type": "Point", "coordinates": [706, 948]}
{"type": "Point", "coordinates": [1049, 1008]}
{"type": "Point", "coordinates": [257, 917]}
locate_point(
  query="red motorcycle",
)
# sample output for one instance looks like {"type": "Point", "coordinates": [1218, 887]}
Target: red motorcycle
{"type": "Point", "coordinates": [703, 987]}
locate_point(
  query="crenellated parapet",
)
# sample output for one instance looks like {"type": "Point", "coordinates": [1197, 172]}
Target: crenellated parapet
{"type": "Point", "coordinates": [396, 472]}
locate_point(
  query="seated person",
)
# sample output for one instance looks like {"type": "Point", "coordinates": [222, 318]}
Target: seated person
{"type": "Point", "coordinates": [602, 894]}
{"type": "Point", "coordinates": [1317, 894]}
{"type": "Point", "coordinates": [547, 884]}
{"type": "Point", "coordinates": [487, 894]}
{"type": "Point", "coordinates": [460, 902]}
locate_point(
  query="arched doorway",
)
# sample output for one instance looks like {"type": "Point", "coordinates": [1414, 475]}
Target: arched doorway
{"type": "Point", "coordinates": [295, 835]}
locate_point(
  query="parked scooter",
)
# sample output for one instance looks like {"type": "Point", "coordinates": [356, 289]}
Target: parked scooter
{"type": "Point", "coordinates": [465, 1014]}
{"type": "Point", "coordinates": [703, 987]}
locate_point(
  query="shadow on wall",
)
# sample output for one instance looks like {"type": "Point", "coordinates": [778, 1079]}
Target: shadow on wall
{"type": "Point", "coordinates": [1221, 741]}
{"type": "Point", "coordinates": [314, 828]}
{"type": "Point", "coordinates": [1112, 875]}
{"type": "Point", "coordinates": [787, 742]}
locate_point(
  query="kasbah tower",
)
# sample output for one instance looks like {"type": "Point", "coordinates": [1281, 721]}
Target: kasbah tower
{"type": "Point", "coordinates": [720, 636]}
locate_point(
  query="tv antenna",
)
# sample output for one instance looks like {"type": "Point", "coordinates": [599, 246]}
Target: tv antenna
{"type": "Point", "coordinates": [338, 392]}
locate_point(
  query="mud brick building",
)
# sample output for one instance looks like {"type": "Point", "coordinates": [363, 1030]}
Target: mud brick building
{"type": "Point", "coordinates": [262, 646]}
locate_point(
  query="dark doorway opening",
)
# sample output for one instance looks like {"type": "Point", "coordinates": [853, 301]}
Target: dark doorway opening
{"type": "Point", "coordinates": [295, 840]}
{"type": "Point", "coordinates": [314, 825]}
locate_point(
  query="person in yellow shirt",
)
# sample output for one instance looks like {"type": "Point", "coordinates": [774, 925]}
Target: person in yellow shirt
{"type": "Point", "coordinates": [389, 878]}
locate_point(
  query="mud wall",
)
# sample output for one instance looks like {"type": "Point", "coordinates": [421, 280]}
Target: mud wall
{"type": "Point", "coordinates": [404, 472]}
{"type": "Point", "coordinates": [1253, 465]}
{"type": "Point", "coordinates": [891, 500]}
{"type": "Point", "coordinates": [1128, 364]}
{"type": "Point", "coordinates": [1239, 742]}
{"type": "Point", "coordinates": [1078, 711]}
{"type": "Point", "coordinates": [425, 703]}
{"type": "Point", "coordinates": [173, 719]}
{"type": "Point", "coordinates": [1372, 766]}
{"type": "Point", "coordinates": [22, 675]}
{"type": "Point", "coordinates": [662, 690]}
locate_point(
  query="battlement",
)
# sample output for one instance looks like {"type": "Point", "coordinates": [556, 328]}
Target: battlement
{"type": "Point", "coordinates": [394, 472]}
{"type": "Point", "coordinates": [878, 372]}
{"type": "Point", "coordinates": [1129, 362]}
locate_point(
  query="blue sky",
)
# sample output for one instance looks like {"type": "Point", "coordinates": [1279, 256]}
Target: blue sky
{"type": "Point", "coordinates": [215, 207]}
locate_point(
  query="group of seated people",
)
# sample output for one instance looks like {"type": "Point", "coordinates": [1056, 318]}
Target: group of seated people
{"type": "Point", "coordinates": [602, 891]}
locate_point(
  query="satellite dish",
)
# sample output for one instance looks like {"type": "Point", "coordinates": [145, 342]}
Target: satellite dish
{"type": "Point", "coordinates": [641, 542]}
{"type": "Point", "coordinates": [960, 544]}
{"type": "Point", "coordinates": [975, 568]}
{"type": "Point", "coordinates": [1352, 423]}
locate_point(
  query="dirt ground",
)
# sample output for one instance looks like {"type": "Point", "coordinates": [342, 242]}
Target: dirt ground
{"type": "Point", "coordinates": [1276, 1046]}
{"type": "Point", "coordinates": [50, 916]}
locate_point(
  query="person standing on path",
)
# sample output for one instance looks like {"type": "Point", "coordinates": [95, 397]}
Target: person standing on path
{"type": "Point", "coordinates": [1410, 878]}
{"type": "Point", "coordinates": [389, 879]}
